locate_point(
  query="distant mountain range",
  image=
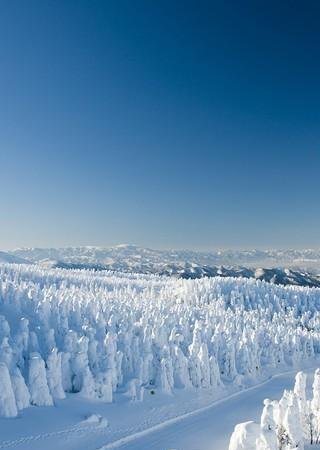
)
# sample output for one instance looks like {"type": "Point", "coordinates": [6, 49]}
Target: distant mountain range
{"type": "Point", "coordinates": [9, 258]}
{"type": "Point", "coordinates": [287, 267]}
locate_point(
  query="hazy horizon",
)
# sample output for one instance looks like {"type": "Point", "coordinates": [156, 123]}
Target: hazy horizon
{"type": "Point", "coordinates": [204, 249]}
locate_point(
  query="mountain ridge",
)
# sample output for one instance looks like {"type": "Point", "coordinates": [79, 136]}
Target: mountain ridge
{"type": "Point", "coordinates": [281, 265]}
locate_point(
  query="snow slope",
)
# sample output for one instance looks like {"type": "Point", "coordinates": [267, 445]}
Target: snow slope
{"type": "Point", "coordinates": [136, 350]}
{"type": "Point", "coordinates": [157, 424]}
{"type": "Point", "coordinates": [211, 427]}
{"type": "Point", "coordinates": [6, 258]}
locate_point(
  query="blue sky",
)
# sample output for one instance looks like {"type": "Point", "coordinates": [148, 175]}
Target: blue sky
{"type": "Point", "coordinates": [164, 124]}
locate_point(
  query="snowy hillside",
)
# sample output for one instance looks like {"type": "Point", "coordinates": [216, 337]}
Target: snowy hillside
{"type": "Point", "coordinates": [95, 333]}
{"type": "Point", "coordinates": [12, 259]}
{"type": "Point", "coordinates": [285, 267]}
{"type": "Point", "coordinates": [119, 353]}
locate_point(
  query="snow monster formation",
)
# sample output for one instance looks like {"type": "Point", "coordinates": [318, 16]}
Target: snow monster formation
{"type": "Point", "coordinates": [287, 424]}
{"type": "Point", "coordinates": [90, 333]}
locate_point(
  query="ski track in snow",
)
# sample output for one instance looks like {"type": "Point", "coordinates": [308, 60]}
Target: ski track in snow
{"type": "Point", "coordinates": [173, 433]}
{"type": "Point", "coordinates": [157, 437]}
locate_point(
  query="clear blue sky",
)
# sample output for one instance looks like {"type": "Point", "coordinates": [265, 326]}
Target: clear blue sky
{"type": "Point", "coordinates": [190, 124]}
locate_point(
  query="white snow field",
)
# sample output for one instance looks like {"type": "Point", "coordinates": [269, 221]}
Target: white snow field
{"type": "Point", "coordinates": [90, 358]}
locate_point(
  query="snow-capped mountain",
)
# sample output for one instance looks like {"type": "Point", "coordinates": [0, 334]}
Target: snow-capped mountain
{"type": "Point", "coordinates": [9, 258]}
{"type": "Point", "coordinates": [132, 256]}
{"type": "Point", "coordinates": [294, 267]}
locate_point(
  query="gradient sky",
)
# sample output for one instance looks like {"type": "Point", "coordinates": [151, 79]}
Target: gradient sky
{"type": "Point", "coordinates": [190, 124]}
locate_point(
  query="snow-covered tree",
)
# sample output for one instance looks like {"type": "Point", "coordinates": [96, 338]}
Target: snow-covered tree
{"type": "Point", "coordinates": [104, 386]}
{"type": "Point", "coordinates": [8, 407]}
{"type": "Point", "coordinates": [37, 382]}
{"type": "Point", "coordinates": [110, 328]}
{"type": "Point", "coordinates": [292, 425]}
{"type": "Point", "coordinates": [300, 392]}
{"type": "Point", "coordinates": [285, 425]}
{"type": "Point", "coordinates": [244, 436]}
{"type": "Point", "coordinates": [20, 389]}
{"type": "Point", "coordinates": [268, 435]}
{"type": "Point", "coordinates": [54, 374]}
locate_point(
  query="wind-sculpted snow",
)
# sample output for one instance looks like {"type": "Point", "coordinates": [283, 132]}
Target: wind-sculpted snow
{"type": "Point", "coordinates": [98, 332]}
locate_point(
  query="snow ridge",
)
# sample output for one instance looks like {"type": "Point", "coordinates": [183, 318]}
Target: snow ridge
{"type": "Point", "coordinates": [129, 257]}
{"type": "Point", "coordinates": [296, 267]}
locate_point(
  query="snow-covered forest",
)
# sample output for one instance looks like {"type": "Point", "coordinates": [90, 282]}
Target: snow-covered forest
{"type": "Point", "coordinates": [287, 424]}
{"type": "Point", "coordinates": [92, 333]}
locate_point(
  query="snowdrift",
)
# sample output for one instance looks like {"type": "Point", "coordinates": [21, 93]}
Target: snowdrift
{"type": "Point", "coordinates": [77, 331]}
